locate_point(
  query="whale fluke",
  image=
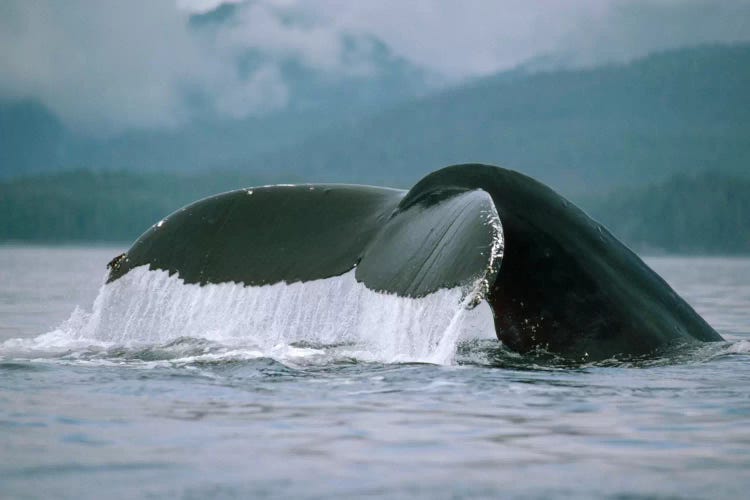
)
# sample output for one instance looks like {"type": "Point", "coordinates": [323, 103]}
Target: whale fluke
{"type": "Point", "coordinates": [553, 277]}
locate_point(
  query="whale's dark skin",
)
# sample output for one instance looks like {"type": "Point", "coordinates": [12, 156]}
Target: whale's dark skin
{"type": "Point", "coordinates": [566, 284]}
{"type": "Point", "coordinates": [562, 282]}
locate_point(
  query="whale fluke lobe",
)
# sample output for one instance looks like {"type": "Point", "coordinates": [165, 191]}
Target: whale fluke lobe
{"type": "Point", "coordinates": [448, 242]}
{"type": "Point", "coordinates": [554, 278]}
{"type": "Point", "coordinates": [265, 235]}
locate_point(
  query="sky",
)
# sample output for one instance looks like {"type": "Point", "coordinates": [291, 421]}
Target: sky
{"type": "Point", "coordinates": [113, 65]}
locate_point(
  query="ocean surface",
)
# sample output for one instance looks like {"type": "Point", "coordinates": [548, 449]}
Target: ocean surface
{"type": "Point", "coordinates": [109, 392]}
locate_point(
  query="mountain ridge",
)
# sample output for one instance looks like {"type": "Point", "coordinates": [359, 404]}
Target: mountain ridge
{"type": "Point", "coordinates": [597, 127]}
{"type": "Point", "coordinates": [684, 110]}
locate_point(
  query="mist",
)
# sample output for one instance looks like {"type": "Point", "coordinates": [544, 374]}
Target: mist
{"type": "Point", "coordinates": [105, 67]}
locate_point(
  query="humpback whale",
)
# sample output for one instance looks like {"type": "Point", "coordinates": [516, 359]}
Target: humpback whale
{"type": "Point", "coordinates": [554, 278]}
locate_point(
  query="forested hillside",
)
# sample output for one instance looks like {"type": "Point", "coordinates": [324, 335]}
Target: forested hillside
{"type": "Point", "coordinates": [658, 150]}
{"type": "Point", "coordinates": [677, 112]}
{"type": "Point", "coordinates": [100, 206]}
{"type": "Point", "coordinates": [584, 130]}
{"type": "Point", "coordinates": [700, 214]}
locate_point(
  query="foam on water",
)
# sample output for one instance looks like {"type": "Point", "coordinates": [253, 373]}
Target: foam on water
{"type": "Point", "coordinates": [151, 308]}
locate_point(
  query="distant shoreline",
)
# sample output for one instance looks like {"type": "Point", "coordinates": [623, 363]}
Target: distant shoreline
{"type": "Point", "coordinates": [124, 245]}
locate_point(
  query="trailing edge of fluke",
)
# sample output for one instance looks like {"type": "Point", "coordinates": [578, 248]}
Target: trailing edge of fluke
{"type": "Point", "coordinates": [554, 278]}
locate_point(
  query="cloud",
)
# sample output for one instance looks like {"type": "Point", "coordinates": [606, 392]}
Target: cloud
{"type": "Point", "coordinates": [634, 28]}
{"type": "Point", "coordinates": [105, 66]}
{"type": "Point", "coordinates": [464, 38]}
{"type": "Point", "coordinates": [263, 91]}
{"type": "Point", "coordinates": [97, 63]}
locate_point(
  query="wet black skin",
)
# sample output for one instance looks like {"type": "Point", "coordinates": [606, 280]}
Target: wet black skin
{"type": "Point", "coordinates": [564, 284]}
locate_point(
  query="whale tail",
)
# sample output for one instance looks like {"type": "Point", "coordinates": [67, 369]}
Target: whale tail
{"type": "Point", "coordinates": [554, 278]}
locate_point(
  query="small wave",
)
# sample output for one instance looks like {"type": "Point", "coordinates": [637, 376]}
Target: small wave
{"type": "Point", "coordinates": [739, 347]}
{"type": "Point", "coordinates": [494, 354]}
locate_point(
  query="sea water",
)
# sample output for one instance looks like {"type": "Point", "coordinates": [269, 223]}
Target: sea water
{"type": "Point", "coordinates": [148, 387]}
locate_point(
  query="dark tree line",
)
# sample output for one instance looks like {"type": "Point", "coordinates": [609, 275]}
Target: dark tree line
{"type": "Point", "coordinates": [701, 214]}
{"type": "Point", "coordinates": [707, 213]}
